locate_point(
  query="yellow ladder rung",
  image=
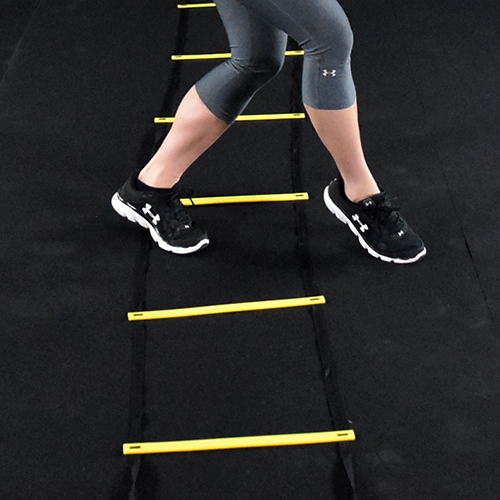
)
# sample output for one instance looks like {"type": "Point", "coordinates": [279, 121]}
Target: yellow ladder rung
{"type": "Point", "coordinates": [250, 198]}
{"type": "Point", "coordinates": [226, 55]}
{"type": "Point", "coordinates": [226, 308]}
{"type": "Point", "coordinates": [239, 442]}
{"type": "Point", "coordinates": [250, 118]}
{"type": "Point", "coordinates": [194, 5]}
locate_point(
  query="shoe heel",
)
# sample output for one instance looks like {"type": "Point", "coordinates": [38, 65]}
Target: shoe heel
{"type": "Point", "coordinates": [333, 208]}
{"type": "Point", "coordinates": [126, 212]}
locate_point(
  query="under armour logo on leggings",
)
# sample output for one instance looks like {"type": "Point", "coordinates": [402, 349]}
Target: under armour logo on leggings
{"type": "Point", "coordinates": [329, 73]}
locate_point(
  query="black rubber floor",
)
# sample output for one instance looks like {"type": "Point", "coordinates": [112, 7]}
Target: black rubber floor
{"type": "Point", "coordinates": [407, 356]}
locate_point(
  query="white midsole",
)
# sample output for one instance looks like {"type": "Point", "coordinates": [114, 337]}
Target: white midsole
{"type": "Point", "coordinates": [343, 218]}
{"type": "Point", "coordinates": [125, 211]}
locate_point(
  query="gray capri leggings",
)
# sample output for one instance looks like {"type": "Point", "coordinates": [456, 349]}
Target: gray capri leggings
{"type": "Point", "coordinates": [257, 32]}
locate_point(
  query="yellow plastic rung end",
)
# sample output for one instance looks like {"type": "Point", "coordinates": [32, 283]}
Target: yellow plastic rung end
{"type": "Point", "coordinates": [226, 308]}
{"type": "Point", "coordinates": [239, 442]}
{"type": "Point", "coordinates": [251, 198]}
{"type": "Point", "coordinates": [248, 118]}
{"type": "Point", "coordinates": [162, 119]}
{"type": "Point", "coordinates": [194, 5]}
{"type": "Point", "coordinates": [225, 55]}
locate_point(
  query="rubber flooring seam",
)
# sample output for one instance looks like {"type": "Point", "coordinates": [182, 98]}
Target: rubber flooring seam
{"type": "Point", "coordinates": [28, 22]}
{"type": "Point", "coordinates": [138, 361]}
{"type": "Point", "coordinates": [154, 139]}
{"type": "Point", "coordinates": [344, 480]}
{"type": "Point", "coordinates": [441, 168]}
{"type": "Point", "coordinates": [139, 467]}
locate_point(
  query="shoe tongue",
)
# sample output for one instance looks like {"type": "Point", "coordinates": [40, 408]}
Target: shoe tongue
{"type": "Point", "coordinates": [378, 204]}
{"type": "Point", "coordinates": [379, 198]}
{"type": "Point", "coordinates": [372, 201]}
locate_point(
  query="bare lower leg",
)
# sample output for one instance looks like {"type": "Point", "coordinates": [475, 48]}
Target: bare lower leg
{"type": "Point", "coordinates": [194, 130]}
{"type": "Point", "coordinates": [339, 132]}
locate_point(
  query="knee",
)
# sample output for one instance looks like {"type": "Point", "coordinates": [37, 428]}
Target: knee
{"type": "Point", "coordinates": [262, 69]}
{"type": "Point", "coordinates": [344, 38]}
{"type": "Point", "coordinates": [333, 36]}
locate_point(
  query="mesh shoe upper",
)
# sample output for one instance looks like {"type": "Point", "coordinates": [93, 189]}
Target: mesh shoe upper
{"type": "Point", "coordinates": [164, 213]}
{"type": "Point", "coordinates": [378, 223]}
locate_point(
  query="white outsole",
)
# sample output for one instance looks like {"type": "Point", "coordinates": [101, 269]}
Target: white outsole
{"type": "Point", "coordinates": [342, 218]}
{"type": "Point", "coordinates": [125, 211]}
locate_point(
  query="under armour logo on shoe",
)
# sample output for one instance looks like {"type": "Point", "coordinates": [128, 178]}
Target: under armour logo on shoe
{"type": "Point", "coordinates": [400, 233]}
{"type": "Point", "coordinates": [329, 73]}
{"type": "Point", "coordinates": [147, 211]}
{"type": "Point", "coordinates": [362, 226]}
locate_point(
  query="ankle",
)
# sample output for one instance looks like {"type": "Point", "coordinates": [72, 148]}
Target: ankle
{"type": "Point", "coordinates": [356, 192]}
{"type": "Point", "coordinates": [156, 181]}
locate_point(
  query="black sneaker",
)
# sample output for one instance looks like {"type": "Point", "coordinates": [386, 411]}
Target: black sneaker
{"type": "Point", "coordinates": [163, 214]}
{"type": "Point", "coordinates": [378, 225]}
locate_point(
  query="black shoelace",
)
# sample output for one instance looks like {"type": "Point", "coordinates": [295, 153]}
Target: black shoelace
{"type": "Point", "coordinates": [386, 214]}
{"type": "Point", "coordinates": [178, 212]}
